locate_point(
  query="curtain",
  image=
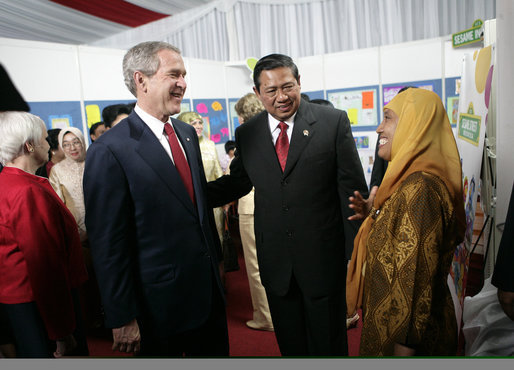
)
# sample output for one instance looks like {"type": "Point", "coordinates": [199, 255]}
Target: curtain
{"type": "Point", "coordinates": [232, 30]}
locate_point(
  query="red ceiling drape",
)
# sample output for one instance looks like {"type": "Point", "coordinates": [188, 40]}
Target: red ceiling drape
{"type": "Point", "coordinates": [118, 11]}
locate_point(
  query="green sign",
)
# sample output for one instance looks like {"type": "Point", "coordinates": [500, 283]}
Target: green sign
{"type": "Point", "coordinates": [469, 36]}
{"type": "Point", "coordinates": [469, 128]}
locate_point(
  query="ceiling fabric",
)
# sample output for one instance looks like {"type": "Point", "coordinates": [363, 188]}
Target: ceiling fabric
{"type": "Point", "coordinates": [232, 30]}
{"type": "Point", "coordinates": [118, 11]}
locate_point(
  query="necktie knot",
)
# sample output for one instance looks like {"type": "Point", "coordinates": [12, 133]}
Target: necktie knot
{"type": "Point", "coordinates": [283, 126]}
{"type": "Point", "coordinates": [168, 129]}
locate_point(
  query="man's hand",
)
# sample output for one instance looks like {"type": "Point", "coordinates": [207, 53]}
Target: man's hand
{"type": "Point", "coordinates": [127, 338]}
{"type": "Point", "coordinates": [361, 206]}
{"type": "Point", "coordinates": [507, 302]}
{"type": "Point", "coordinates": [65, 346]}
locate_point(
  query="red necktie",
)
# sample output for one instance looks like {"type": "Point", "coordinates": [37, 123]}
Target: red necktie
{"type": "Point", "coordinates": [282, 145]}
{"type": "Point", "coordinates": [180, 161]}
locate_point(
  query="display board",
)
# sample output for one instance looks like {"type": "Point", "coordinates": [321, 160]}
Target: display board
{"type": "Point", "coordinates": [58, 114]}
{"type": "Point", "coordinates": [215, 118]}
{"type": "Point", "coordinates": [389, 91]}
{"type": "Point", "coordinates": [361, 105]}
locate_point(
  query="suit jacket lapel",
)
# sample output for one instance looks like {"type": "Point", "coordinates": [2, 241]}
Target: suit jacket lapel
{"type": "Point", "coordinates": [150, 149]}
{"type": "Point", "coordinates": [302, 134]}
{"type": "Point", "coordinates": [264, 141]}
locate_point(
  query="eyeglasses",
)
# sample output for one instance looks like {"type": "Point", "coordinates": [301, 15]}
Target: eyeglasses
{"type": "Point", "coordinates": [74, 143]}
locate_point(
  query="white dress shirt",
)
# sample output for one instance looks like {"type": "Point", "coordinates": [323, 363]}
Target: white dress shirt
{"type": "Point", "coordinates": [275, 130]}
{"type": "Point", "coordinates": [157, 127]}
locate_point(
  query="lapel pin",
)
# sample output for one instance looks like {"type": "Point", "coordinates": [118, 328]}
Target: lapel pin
{"type": "Point", "coordinates": [305, 132]}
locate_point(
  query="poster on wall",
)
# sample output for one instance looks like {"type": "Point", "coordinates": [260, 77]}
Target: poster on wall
{"type": "Point", "coordinates": [366, 155]}
{"type": "Point", "coordinates": [360, 104]}
{"type": "Point", "coordinates": [215, 118]}
{"type": "Point", "coordinates": [234, 120]}
{"type": "Point", "coordinates": [472, 119]}
{"type": "Point", "coordinates": [452, 92]}
{"type": "Point", "coordinates": [390, 90]}
{"type": "Point", "coordinates": [58, 114]}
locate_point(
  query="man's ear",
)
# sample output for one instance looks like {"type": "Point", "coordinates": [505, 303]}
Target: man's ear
{"type": "Point", "coordinates": [299, 84]}
{"type": "Point", "coordinates": [256, 92]}
{"type": "Point", "coordinates": [140, 80]}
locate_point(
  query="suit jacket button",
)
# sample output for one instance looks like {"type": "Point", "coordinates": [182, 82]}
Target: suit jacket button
{"type": "Point", "coordinates": [285, 208]}
{"type": "Point", "coordinates": [289, 234]}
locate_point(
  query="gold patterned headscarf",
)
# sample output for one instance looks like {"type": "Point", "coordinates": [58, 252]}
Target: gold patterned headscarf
{"type": "Point", "coordinates": [423, 141]}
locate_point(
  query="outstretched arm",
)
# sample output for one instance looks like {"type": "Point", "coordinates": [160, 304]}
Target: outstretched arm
{"type": "Point", "coordinates": [361, 206]}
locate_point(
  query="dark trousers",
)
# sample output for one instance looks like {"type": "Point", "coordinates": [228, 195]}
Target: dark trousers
{"type": "Point", "coordinates": [30, 335]}
{"type": "Point", "coordinates": [208, 340]}
{"type": "Point", "coordinates": [306, 326]}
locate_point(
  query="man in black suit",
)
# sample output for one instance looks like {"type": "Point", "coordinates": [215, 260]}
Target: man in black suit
{"type": "Point", "coordinates": [302, 160]}
{"type": "Point", "coordinates": [153, 239]}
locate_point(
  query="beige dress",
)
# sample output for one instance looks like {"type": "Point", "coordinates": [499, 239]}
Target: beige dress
{"type": "Point", "coordinates": [66, 179]}
{"type": "Point", "coordinates": [212, 168]}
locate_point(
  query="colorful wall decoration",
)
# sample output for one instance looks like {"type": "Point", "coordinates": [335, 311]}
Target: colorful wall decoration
{"type": "Point", "coordinates": [361, 105]}
{"type": "Point", "coordinates": [215, 118]}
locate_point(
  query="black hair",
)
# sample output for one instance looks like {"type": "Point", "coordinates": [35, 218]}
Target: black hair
{"type": "Point", "coordinates": [322, 102]}
{"type": "Point", "coordinates": [270, 62]}
{"type": "Point", "coordinates": [229, 145]}
{"type": "Point", "coordinates": [53, 140]}
{"type": "Point", "coordinates": [305, 97]}
{"type": "Point", "coordinates": [94, 126]}
{"type": "Point", "coordinates": [406, 88]}
{"type": "Point", "coordinates": [110, 112]}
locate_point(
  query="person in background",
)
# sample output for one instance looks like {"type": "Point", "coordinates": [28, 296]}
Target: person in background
{"type": "Point", "coordinates": [322, 102]}
{"type": "Point", "coordinates": [96, 130]}
{"type": "Point", "coordinates": [302, 160]}
{"type": "Point", "coordinates": [113, 114]}
{"type": "Point", "coordinates": [230, 147]}
{"type": "Point", "coordinates": [66, 176]}
{"type": "Point", "coordinates": [40, 254]}
{"type": "Point", "coordinates": [66, 179]}
{"type": "Point", "coordinates": [247, 107]}
{"type": "Point", "coordinates": [211, 163]}
{"type": "Point", "coordinates": [152, 233]}
{"type": "Point", "coordinates": [503, 275]}
{"type": "Point", "coordinates": [407, 241]}
{"type": "Point", "coordinates": [55, 154]}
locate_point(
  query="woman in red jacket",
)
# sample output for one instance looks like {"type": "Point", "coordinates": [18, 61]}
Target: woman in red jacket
{"type": "Point", "coordinates": [40, 252]}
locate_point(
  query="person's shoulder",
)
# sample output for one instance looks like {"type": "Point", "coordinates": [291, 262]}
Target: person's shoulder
{"type": "Point", "coordinates": [253, 122]}
{"type": "Point", "coordinates": [421, 186]}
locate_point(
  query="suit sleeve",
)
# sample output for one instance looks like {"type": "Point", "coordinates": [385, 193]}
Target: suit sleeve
{"type": "Point", "coordinates": [48, 238]}
{"type": "Point", "coordinates": [230, 187]}
{"type": "Point", "coordinates": [350, 177]}
{"type": "Point", "coordinates": [111, 228]}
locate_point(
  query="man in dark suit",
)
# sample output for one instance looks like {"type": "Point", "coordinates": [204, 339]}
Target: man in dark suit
{"type": "Point", "coordinates": [152, 235]}
{"type": "Point", "coordinates": [303, 163]}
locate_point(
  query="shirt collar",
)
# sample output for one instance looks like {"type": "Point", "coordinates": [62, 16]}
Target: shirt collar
{"type": "Point", "coordinates": [273, 122]}
{"type": "Point", "coordinates": [156, 125]}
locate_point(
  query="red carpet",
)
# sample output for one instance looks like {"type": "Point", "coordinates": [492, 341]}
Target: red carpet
{"type": "Point", "coordinates": [243, 340]}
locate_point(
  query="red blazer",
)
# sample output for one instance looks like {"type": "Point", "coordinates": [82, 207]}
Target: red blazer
{"type": "Point", "coordinates": [40, 251]}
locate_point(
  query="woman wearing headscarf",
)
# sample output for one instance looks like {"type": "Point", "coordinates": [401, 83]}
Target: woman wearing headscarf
{"type": "Point", "coordinates": [211, 163]}
{"type": "Point", "coordinates": [41, 261]}
{"type": "Point", "coordinates": [66, 179]}
{"type": "Point", "coordinates": [403, 251]}
{"type": "Point", "coordinates": [66, 176]}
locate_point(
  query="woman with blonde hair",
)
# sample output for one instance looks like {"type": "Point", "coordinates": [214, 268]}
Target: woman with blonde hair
{"type": "Point", "coordinates": [41, 262]}
{"type": "Point", "coordinates": [403, 252]}
{"type": "Point", "coordinates": [211, 163]}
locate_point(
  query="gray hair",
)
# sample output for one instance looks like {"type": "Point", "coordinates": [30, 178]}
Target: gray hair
{"type": "Point", "coordinates": [143, 58]}
{"type": "Point", "coordinates": [16, 129]}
